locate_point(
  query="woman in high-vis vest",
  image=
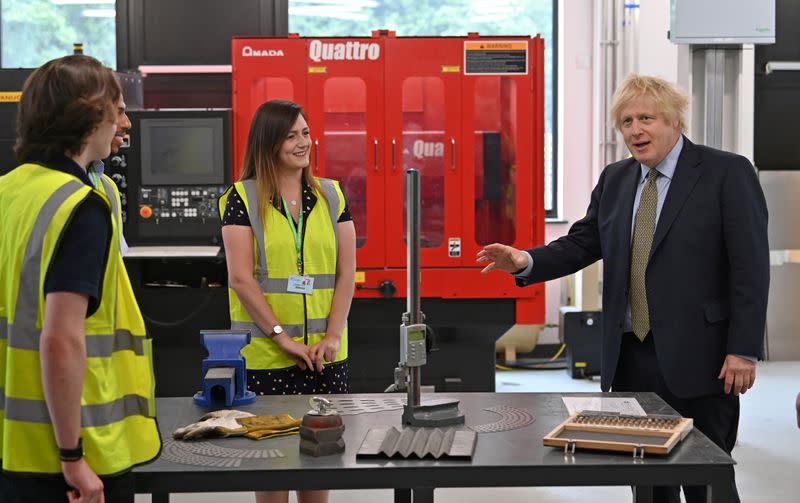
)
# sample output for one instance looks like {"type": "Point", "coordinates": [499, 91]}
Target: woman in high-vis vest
{"type": "Point", "coordinates": [75, 365]}
{"type": "Point", "coordinates": [290, 248]}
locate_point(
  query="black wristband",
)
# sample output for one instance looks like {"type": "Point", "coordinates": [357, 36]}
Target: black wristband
{"type": "Point", "coordinates": [72, 454]}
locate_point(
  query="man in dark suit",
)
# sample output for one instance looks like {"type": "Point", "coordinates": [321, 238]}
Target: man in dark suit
{"type": "Point", "coordinates": [682, 231]}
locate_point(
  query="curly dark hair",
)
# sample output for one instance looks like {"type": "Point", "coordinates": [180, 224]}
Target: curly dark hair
{"type": "Point", "coordinates": [62, 103]}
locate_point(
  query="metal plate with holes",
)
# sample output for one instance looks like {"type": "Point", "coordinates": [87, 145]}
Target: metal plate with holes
{"type": "Point", "coordinates": [512, 418]}
{"type": "Point", "coordinates": [208, 454]}
{"type": "Point", "coordinates": [350, 406]}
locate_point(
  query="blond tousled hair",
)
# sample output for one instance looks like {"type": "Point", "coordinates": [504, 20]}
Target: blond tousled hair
{"type": "Point", "coordinates": [671, 101]}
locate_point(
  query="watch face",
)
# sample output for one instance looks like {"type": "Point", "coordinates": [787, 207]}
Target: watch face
{"type": "Point", "coordinates": [277, 329]}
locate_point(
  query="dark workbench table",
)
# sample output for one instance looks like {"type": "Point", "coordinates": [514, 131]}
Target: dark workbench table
{"type": "Point", "coordinates": [503, 459]}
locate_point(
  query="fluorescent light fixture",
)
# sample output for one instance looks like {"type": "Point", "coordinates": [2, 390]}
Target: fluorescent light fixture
{"type": "Point", "coordinates": [337, 3]}
{"type": "Point", "coordinates": [99, 13]}
{"type": "Point", "coordinates": [341, 12]}
{"type": "Point", "coordinates": [82, 2]}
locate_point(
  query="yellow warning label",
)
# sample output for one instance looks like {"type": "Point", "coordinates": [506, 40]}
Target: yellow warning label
{"type": "Point", "coordinates": [10, 96]}
{"type": "Point", "coordinates": [451, 69]}
{"type": "Point", "coordinates": [317, 69]}
{"type": "Point", "coordinates": [361, 276]}
{"type": "Point", "coordinates": [495, 46]}
{"type": "Point", "coordinates": [580, 365]}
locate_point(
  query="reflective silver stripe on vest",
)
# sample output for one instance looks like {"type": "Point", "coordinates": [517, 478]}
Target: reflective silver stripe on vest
{"type": "Point", "coordinates": [329, 189]}
{"type": "Point", "coordinates": [28, 296]}
{"type": "Point", "coordinates": [3, 329]}
{"type": "Point", "coordinates": [97, 346]}
{"type": "Point", "coordinates": [315, 326]}
{"type": "Point", "coordinates": [258, 228]}
{"type": "Point", "coordinates": [109, 191]}
{"type": "Point", "coordinates": [281, 285]}
{"type": "Point", "coordinates": [23, 333]}
{"type": "Point", "coordinates": [35, 411]}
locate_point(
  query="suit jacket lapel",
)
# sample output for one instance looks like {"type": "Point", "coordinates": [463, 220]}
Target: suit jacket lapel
{"type": "Point", "coordinates": [628, 194]}
{"type": "Point", "coordinates": [683, 181]}
{"type": "Point", "coordinates": [630, 180]}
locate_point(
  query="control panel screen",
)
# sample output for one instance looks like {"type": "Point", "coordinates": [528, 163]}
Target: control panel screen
{"type": "Point", "coordinates": [182, 151]}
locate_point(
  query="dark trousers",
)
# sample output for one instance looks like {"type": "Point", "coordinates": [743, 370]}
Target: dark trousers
{"type": "Point", "coordinates": [53, 488]}
{"type": "Point", "coordinates": [716, 416]}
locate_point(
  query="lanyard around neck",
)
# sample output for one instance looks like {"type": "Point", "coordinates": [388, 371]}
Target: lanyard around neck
{"type": "Point", "coordinates": [94, 177]}
{"type": "Point", "coordinates": [297, 233]}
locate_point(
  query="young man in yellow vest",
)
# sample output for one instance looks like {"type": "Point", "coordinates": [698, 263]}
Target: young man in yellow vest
{"type": "Point", "coordinates": [75, 366]}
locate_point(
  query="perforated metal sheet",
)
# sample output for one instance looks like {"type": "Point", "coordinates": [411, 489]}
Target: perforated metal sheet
{"type": "Point", "coordinates": [350, 406]}
{"type": "Point", "coordinates": [208, 454]}
{"type": "Point", "coordinates": [512, 418]}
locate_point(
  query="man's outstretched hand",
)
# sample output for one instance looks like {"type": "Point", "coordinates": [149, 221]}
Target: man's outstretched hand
{"type": "Point", "coordinates": [502, 257]}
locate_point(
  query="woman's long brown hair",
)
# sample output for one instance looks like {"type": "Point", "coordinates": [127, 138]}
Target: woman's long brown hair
{"type": "Point", "coordinates": [268, 130]}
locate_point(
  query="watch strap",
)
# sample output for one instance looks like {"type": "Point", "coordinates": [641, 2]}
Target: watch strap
{"type": "Point", "coordinates": [73, 454]}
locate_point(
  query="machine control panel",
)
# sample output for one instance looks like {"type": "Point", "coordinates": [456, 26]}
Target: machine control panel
{"type": "Point", "coordinates": [116, 171]}
{"type": "Point", "coordinates": [412, 345]}
{"type": "Point", "coordinates": [171, 175]}
{"type": "Point", "coordinates": [192, 203]}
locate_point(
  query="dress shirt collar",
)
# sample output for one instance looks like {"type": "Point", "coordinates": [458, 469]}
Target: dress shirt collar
{"type": "Point", "coordinates": [668, 165]}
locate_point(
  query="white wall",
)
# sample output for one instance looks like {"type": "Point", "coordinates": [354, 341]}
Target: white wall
{"type": "Point", "coordinates": [576, 46]}
{"type": "Point", "coordinates": [657, 55]}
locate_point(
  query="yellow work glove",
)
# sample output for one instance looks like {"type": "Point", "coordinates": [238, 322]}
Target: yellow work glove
{"type": "Point", "coordinates": [261, 427]}
{"type": "Point", "coordinates": [220, 423]}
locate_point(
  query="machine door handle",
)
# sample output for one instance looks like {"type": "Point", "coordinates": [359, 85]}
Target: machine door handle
{"type": "Point", "coordinates": [386, 288]}
{"type": "Point", "coordinates": [394, 155]}
{"type": "Point", "coordinates": [452, 154]}
{"type": "Point", "coordinates": [316, 156]}
{"type": "Point", "coordinates": [376, 153]}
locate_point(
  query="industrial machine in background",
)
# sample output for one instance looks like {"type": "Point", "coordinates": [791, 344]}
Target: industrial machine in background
{"type": "Point", "coordinates": [11, 80]}
{"type": "Point", "coordinates": [581, 332]}
{"type": "Point", "coordinates": [468, 114]}
{"type": "Point", "coordinates": [171, 174]}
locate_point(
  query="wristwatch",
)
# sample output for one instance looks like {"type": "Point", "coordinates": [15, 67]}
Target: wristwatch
{"type": "Point", "coordinates": [72, 454]}
{"type": "Point", "coordinates": [276, 330]}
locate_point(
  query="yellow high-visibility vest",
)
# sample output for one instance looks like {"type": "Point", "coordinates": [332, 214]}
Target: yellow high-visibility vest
{"type": "Point", "coordinates": [117, 403]}
{"type": "Point", "coordinates": [304, 317]}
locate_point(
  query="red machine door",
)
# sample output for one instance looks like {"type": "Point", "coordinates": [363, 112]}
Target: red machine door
{"type": "Point", "coordinates": [502, 194]}
{"type": "Point", "coordinates": [263, 69]}
{"type": "Point", "coordinates": [345, 105]}
{"type": "Point", "coordinates": [423, 101]}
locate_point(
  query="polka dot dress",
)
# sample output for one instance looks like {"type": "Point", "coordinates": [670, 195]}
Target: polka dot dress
{"type": "Point", "coordinates": [235, 211]}
{"type": "Point", "coordinates": [334, 378]}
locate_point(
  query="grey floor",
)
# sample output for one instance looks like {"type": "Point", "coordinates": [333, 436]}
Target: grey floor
{"type": "Point", "coordinates": [767, 453]}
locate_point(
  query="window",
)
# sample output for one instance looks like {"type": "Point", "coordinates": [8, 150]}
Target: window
{"type": "Point", "coordinates": [423, 149]}
{"type": "Point", "coordinates": [36, 31]}
{"type": "Point", "coordinates": [346, 144]}
{"type": "Point", "coordinates": [318, 18]}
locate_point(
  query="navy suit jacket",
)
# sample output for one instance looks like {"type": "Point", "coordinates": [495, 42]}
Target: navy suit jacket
{"type": "Point", "coordinates": [708, 275]}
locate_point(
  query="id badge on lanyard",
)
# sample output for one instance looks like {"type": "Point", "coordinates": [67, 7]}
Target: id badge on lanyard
{"type": "Point", "coordinates": [298, 283]}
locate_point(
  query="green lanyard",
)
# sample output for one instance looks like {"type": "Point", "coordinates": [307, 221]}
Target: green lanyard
{"type": "Point", "coordinates": [94, 177]}
{"type": "Point", "coordinates": [297, 232]}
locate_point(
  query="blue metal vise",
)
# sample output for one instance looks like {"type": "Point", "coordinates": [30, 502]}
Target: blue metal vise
{"type": "Point", "coordinates": [224, 370]}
